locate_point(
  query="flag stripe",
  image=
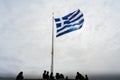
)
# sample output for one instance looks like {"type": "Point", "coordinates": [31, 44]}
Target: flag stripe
{"type": "Point", "coordinates": [77, 18]}
{"type": "Point", "coordinates": [57, 19]}
{"type": "Point", "coordinates": [63, 27]}
{"type": "Point", "coordinates": [78, 11]}
{"type": "Point", "coordinates": [67, 22]}
{"type": "Point", "coordinates": [75, 26]}
{"type": "Point", "coordinates": [67, 31]}
{"type": "Point", "coordinates": [68, 15]}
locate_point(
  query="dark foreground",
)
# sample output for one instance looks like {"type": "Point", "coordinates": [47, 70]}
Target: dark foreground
{"type": "Point", "coordinates": [90, 78]}
{"type": "Point", "coordinates": [68, 79]}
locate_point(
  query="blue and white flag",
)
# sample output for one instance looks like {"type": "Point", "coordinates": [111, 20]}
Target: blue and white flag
{"type": "Point", "coordinates": [71, 22]}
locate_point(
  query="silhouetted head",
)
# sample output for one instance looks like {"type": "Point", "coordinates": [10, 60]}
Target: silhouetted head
{"type": "Point", "coordinates": [78, 73]}
{"type": "Point", "coordinates": [44, 71]}
{"type": "Point", "coordinates": [51, 73]}
{"type": "Point", "coordinates": [86, 76]}
{"type": "Point", "coordinates": [57, 73]}
{"type": "Point", "coordinates": [47, 72]}
{"type": "Point", "coordinates": [21, 73]}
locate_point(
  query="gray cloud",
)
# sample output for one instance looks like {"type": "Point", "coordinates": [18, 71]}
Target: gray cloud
{"type": "Point", "coordinates": [25, 37]}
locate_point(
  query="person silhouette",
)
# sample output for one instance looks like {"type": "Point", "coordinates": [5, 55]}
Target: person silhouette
{"type": "Point", "coordinates": [47, 75]}
{"type": "Point", "coordinates": [51, 76]}
{"type": "Point", "coordinates": [57, 75]}
{"type": "Point", "coordinates": [61, 76]}
{"type": "Point", "coordinates": [44, 74]}
{"type": "Point", "coordinates": [80, 76]}
{"type": "Point", "coordinates": [86, 77]}
{"type": "Point", "coordinates": [66, 78]}
{"type": "Point", "coordinates": [20, 76]}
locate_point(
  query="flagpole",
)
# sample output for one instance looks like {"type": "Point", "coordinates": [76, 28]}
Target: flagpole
{"type": "Point", "coordinates": [52, 53]}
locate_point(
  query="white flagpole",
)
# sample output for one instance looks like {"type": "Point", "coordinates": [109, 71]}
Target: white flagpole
{"type": "Point", "coordinates": [52, 53]}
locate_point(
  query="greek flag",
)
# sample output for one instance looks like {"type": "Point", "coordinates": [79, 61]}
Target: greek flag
{"type": "Point", "coordinates": [71, 22]}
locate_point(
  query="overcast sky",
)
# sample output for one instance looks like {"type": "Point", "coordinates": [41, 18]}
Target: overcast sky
{"type": "Point", "coordinates": [25, 37]}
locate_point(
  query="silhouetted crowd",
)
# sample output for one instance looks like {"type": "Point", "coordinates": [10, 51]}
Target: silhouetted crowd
{"type": "Point", "coordinates": [58, 76]}
{"type": "Point", "coordinates": [51, 77]}
{"type": "Point", "coordinates": [61, 76]}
